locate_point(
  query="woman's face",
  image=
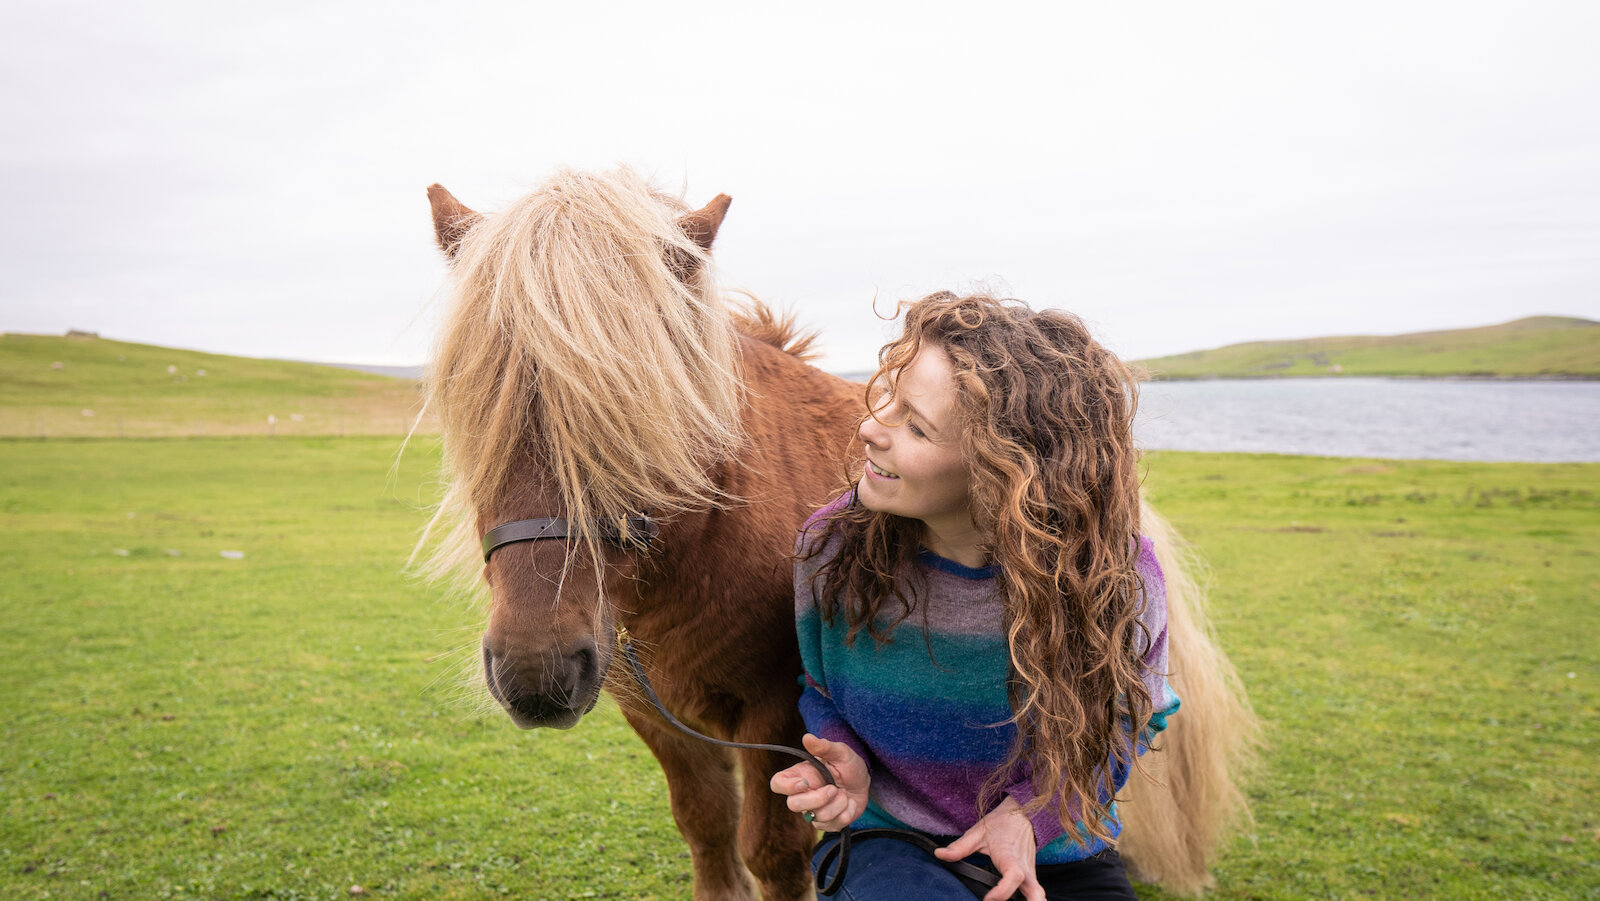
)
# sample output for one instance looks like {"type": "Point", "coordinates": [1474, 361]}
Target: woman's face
{"type": "Point", "coordinates": [915, 466]}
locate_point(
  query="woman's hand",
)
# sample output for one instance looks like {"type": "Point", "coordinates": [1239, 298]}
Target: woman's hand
{"type": "Point", "coordinates": [1007, 837]}
{"type": "Point", "coordinates": [832, 807]}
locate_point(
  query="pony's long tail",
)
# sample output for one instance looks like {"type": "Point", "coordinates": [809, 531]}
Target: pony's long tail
{"type": "Point", "coordinates": [1174, 823]}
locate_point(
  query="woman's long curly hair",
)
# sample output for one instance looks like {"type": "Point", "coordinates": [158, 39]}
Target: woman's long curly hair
{"type": "Point", "coordinates": [1046, 417]}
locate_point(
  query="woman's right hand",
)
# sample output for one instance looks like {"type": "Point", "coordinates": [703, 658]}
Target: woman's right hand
{"type": "Point", "coordinates": [833, 806]}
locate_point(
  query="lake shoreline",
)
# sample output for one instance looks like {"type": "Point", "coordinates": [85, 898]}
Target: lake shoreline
{"type": "Point", "coordinates": [1484, 420]}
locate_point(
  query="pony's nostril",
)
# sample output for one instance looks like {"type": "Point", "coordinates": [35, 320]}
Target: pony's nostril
{"type": "Point", "coordinates": [581, 670]}
{"type": "Point", "coordinates": [588, 661]}
{"type": "Point", "coordinates": [488, 665]}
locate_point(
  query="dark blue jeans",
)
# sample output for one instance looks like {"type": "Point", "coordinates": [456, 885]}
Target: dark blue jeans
{"type": "Point", "coordinates": [883, 869]}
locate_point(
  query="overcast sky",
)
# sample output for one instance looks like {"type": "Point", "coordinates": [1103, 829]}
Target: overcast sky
{"type": "Point", "coordinates": [249, 178]}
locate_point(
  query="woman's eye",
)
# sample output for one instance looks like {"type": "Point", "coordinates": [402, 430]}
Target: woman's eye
{"type": "Point", "coordinates": [914, 430]}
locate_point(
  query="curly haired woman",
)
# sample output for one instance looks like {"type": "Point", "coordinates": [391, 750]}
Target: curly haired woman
{"type": "Point", "coordinates": [982, 625]}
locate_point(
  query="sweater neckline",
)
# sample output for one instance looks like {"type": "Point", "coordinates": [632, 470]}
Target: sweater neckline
{"type": "Point", "coordinates": [930, 559]}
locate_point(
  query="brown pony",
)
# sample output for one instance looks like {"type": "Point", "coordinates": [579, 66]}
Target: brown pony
{"type": "Point", "coordinates": [590, 368]}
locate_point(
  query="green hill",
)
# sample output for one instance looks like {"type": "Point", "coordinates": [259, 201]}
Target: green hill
{"type": "Point", "coordinates": [84, 386]}
{"type": "Point", "coordinates": [1538, 346]}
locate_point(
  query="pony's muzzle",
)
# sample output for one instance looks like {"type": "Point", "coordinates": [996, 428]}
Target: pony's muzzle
{"type": "Point", "coordinates": [544, 693]}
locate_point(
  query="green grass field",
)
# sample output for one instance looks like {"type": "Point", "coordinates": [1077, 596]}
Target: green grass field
{"type": "Point", "coordinates": [1419, 637]}
{"type": "Point", "coordinates": [1539, 346]}
{"type": "Point", "coordinates": [84, 387]}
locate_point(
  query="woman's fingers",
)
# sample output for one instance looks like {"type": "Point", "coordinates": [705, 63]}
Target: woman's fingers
{"type": "Point", "coordinates": [799, 778]}
{"type": "Point", "coordinates": [811, 801]}
{"type": "Point", "coordinates": [824, 804]}
{"type": "Point", "coordinates": [962, 847]}
{"type": "Point", "coordinates": [1006, 887]}
{"type": "Point", "coordinates": [836, 807]}
{"type": "Point", "coordinates": [832, 753]}
{"type": "Point", "coordinates": [836, 813]}
{"type": "Point", "coordinates": [804, 776]}
{"type": "Point", "coordinates": [828, 806]}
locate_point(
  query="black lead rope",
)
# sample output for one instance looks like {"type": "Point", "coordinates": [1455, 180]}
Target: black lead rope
{"type": "Point", "coordinates": [840, 852]}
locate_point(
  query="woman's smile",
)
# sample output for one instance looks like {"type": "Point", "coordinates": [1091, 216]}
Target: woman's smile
{"type": "Point", "coordinates": [916, 466]}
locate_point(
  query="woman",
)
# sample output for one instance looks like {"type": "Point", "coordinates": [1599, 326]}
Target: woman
{"type": "Point", "coordinates": [982, 626]}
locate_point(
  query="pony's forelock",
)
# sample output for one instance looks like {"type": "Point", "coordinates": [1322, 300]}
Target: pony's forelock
{"type": "Point", "coordinates": [583, 327]}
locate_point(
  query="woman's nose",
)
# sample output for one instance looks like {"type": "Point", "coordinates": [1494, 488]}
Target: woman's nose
{"type": "Point", "coordinates": [872, 432]}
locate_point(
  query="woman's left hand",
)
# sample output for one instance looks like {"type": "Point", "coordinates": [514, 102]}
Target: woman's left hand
{"type": "Point", "coordinates": [1007, 837]}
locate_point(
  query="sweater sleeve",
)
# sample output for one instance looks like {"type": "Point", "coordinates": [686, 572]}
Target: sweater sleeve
{"type": "Point", "coordinates": [1047, 819]}
{"type": "Point", "coordinates": [1163, 700]}
{"type": "Point", "coordinates": [817, 708]}
{"type": "Point", "coordinates": [823, 720]}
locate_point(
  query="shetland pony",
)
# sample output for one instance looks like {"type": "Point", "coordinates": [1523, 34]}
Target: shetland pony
{"type": "Point", "coordinates": [590, 368]}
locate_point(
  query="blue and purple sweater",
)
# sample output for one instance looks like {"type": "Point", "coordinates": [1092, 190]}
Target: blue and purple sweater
{"type": "Point", "coordinates": [932, 730]}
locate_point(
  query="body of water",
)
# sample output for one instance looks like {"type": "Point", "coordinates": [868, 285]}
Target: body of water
{"type": "Point", "coordinates": [1536, 421]}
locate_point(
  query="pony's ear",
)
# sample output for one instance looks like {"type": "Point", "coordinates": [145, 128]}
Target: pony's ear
{"type": "Point", "coordinates": [451, 219]}
{"type": "Point", "coordinates": [702, 224]}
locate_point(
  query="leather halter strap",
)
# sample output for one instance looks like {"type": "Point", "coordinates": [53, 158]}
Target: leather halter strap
{"type": "Point", "coordinates": [637, 530]}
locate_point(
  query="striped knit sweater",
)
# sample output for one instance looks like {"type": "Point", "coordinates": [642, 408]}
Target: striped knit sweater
{"type": "Point", "coordinates": [933, 729]}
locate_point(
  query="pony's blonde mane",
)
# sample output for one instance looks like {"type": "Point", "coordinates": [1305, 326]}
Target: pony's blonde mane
{"type": "Point", "coordinates": [584, 327]}
{"type": "Point", "coordinates": [754, 319]}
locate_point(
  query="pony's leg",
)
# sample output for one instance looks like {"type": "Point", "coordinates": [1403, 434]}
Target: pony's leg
{"type": "Point", "coordinates": [705, 805]}
{"type": "Point", "coordinates": [776, 842]}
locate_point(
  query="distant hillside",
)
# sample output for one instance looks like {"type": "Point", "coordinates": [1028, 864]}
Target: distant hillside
{"type": "Point", "coordinates": [1536, 347]}
{"type": "Point", "coordinates": [415, 373]}
{"type": "Point", "coordinates": [84, 386]}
